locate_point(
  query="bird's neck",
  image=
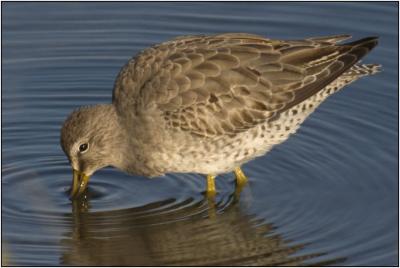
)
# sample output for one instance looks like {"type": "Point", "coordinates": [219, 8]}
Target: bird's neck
{"type": "Point", "coordinates": [117, 138]}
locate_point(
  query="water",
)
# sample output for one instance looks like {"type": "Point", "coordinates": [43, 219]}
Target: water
{"type": "Point", "coordinates": [328, 196]}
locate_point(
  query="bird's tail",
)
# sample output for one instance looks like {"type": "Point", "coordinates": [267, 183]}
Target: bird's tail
{"type": "Point", "coordinates": [363, 70]}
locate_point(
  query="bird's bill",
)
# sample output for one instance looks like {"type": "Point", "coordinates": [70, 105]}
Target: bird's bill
{"type": "Point", "coordinates": [79, 183]}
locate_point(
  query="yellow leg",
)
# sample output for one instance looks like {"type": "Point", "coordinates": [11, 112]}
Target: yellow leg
{"type": "Point", "coordinates": [211, 191]}
{"type": "Point", "coordinates": [241, 181]}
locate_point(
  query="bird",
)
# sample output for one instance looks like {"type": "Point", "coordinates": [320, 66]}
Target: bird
{"type": "Point", "coordinates": [207, 104]}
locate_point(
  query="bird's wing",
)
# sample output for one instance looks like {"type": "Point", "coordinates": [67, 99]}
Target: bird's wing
{"type": "Point", "coordinates": [225, 84]}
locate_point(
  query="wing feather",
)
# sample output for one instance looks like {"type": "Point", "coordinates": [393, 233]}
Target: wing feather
{"type": "Point", "coordinates": [224, 84]}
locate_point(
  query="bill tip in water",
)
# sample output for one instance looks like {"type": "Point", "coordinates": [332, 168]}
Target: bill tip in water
{"type": "Point", "coordinates": [79, 184]}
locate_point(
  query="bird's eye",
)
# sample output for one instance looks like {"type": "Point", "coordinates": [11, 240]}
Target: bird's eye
{"type": "Point", "coordinates": [83, 147]}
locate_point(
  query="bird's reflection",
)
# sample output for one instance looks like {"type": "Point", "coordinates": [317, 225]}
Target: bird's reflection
{"type": "Point", "coordinates": [169, 233]}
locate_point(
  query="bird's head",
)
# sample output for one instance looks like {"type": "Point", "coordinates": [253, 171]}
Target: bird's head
{"type": "Point", "coordinates": [89, 138]}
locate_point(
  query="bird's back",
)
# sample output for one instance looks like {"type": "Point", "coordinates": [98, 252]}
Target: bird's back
{"type": "Point", "coordinates": [240, 93]}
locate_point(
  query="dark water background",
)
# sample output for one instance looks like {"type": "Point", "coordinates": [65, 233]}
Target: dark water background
{"type": "Point", "coordinates": [329, 195]}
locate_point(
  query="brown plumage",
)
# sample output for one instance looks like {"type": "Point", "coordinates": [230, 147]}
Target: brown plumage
{"type": "Point", "coordinates": [236, 79]}
{"type": "Point", "coordinates": [208, 104]}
